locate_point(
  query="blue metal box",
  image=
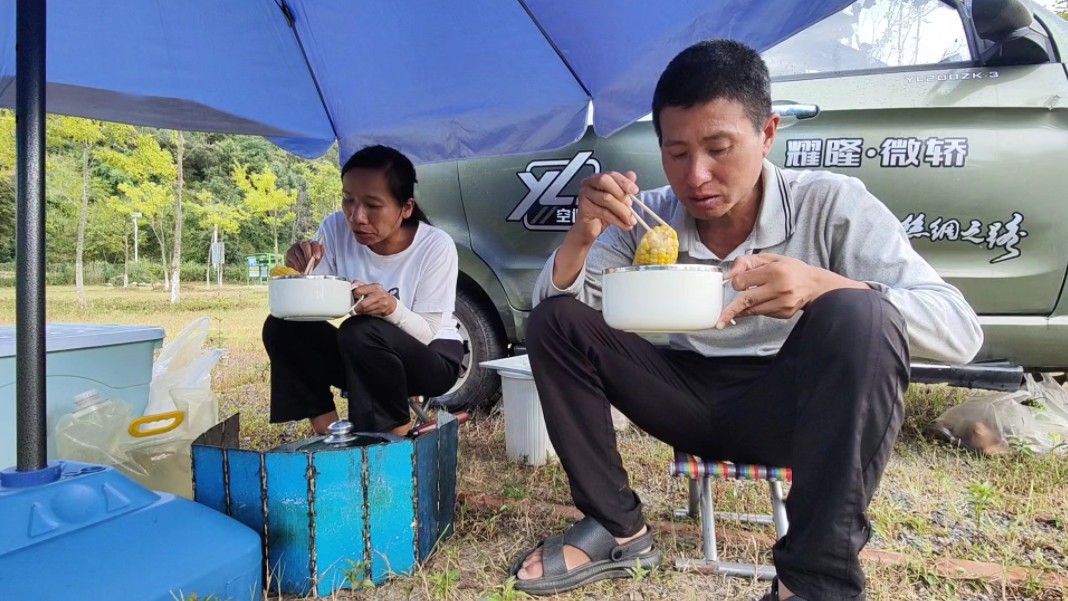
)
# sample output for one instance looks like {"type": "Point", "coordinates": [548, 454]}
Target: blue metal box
{"type": "Point", "coordinates": [334, 518]}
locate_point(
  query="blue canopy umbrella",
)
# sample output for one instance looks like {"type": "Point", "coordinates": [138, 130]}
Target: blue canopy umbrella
{"type": "Point", "coordinates": [438, 80]}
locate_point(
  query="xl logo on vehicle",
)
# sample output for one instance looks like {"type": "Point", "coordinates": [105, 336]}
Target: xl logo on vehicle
{"type": "Point", "coordinates": [544, 208]}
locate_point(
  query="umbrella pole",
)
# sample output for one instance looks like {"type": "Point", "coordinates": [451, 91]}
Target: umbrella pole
{"type": "Point", "coordinates": [30, 251]}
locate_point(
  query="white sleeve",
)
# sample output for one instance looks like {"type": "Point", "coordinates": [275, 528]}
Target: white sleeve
{"type": "Point", "coordinates": [421, 326]}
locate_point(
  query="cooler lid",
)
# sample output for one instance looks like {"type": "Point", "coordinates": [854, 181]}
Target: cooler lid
{"type": "Point", "coordinates": [73, 336]}
{"type": "Point", "coordinates": [518, 365]}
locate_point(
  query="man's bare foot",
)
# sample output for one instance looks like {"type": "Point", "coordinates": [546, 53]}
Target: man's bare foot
{"type": "Point", "coordinates": [320, 423]}
{"type": "Point", "coordinates": [784, 593]}
{"type": "Point", "coordinates": [402, 430]}
{"type": "Point", "coordinates": [573, 558]}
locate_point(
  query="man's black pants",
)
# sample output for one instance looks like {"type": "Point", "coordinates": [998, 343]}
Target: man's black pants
{"type": "Point", "coordinates": [379, 365]}
{"type": "Point", "coordinates": [829, 405]}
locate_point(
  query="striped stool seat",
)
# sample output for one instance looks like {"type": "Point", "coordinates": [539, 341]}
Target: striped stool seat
{"type": "Point", "coordinates": [702, 473]}
{"type": "Point", "coordinates": [690, 466]}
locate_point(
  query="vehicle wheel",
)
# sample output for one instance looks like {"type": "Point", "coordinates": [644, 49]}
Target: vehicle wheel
{"type": "Point", "coordinates": [477, 388]}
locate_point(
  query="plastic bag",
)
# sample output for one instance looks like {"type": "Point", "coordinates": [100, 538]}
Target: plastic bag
{"type": "Point", "coordinates": [182, 363]}
{"type": "Point", "coordinates": [181, 406]}
{"type": "Point", "coordinates": [1033, 418]}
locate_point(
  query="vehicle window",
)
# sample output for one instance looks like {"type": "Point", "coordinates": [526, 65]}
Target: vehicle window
{"type": "Point", "coordinates": [874, 34]}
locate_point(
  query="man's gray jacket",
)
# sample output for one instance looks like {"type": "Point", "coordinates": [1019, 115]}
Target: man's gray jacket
{"type": "Point", "coordinates": [824, 219]}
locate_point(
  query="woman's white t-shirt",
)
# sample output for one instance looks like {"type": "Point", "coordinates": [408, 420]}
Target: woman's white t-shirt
{"type": "Point", "coordinates": [422, 277]}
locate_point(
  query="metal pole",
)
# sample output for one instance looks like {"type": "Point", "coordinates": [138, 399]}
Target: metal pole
{"type": "Point", "coordinates": [218, 266]}
{"type": "Point", "coordinates": [211, 255]}
{"type": "Point", "coordinates": [30, 250]}
{"type": "Point", "coordinates": [708, 521]}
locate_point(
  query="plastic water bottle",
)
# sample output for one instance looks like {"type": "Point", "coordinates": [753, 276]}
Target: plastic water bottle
{"type": "Point", "coordinates": [92, 433]}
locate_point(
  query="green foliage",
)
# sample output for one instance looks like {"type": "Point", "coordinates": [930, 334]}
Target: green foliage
{"type": "Point", "coordinates": [143, 161]}
{"type": "Point", "coordinates": [7, 141]}
{"type": "Point", "coordinates": [99, 273]}
{"type": "Point", "coordinates": [443, 583]}
{"type": "Point", "coordinates": [132, 169]}
{"type": "Point", "coordinates": [1060, 7]}
{"type": "Point", "coordinates": [211, 213]}
{"type": "Point", "coordinates": [7, 217]}
{"type": "Point", "coordinates": [264, 199]}
{"type": "Point", "coordinates": [357, 574]}
{"type": "Point", "coordinates": [324, 188]}
{"type": "Point", "coordinates": [507, 592]}
{"type": "Point", "coordinates": [514, 491]}
{"type": "Point", "coordinates": [981, 496]}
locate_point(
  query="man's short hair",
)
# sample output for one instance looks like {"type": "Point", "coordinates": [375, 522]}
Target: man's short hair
{"type": "Point", "coordinates": [712, 70]}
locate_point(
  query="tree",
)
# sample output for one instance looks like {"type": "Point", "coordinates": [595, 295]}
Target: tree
{"type": "Point", "coordinates": [140, 170]}
{"type": "Point", "coordinates": [7, 185]}
{"type": "Point", "coordinates": [324, 189]}
{"type": "Point", "coordinates": [264, 199]}
{"type": "Point", "coordinates": [108, 231]}
{"type": "Point", "coordinates": [84, 136]}
{"type": "Point", "coordinates": [176, 257]}
{"type": "Point", "coordinates": [211, 213]}
{"type": "Point", "coordinates": [7, 141]}
{"type": "Point", "coordinates": [7, 217]}
{"type": "Point", "coordinates": [150, 175]}
{"type": "Point", "coordinates": [153, 201]}
{"type": "Point", "coordinates": [63, 189]}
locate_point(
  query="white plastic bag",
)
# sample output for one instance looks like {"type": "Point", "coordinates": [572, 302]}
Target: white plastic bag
{"type": "Point", "coordinates": [182, 363]}
{"type": "Point", "coordinates": [1034, 418]}
{"type": "Point", "coordinates": [181, 406]}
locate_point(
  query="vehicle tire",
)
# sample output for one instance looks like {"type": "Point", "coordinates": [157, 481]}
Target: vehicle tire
{"type": "Point", "coordinates": [478, 387]}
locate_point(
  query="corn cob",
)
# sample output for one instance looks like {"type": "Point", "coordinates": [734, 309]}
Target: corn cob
{"type": "Point", "coordinates": [659, 246]}
{"type": "Point", "coordinates": [282, 270]}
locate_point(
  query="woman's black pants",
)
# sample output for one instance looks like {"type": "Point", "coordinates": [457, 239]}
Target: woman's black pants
{"type": "Point", "coordinates": [379, 365]}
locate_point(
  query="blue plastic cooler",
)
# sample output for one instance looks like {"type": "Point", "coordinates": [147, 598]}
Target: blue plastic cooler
{"type": "Point", "coordinates": [96, 534]}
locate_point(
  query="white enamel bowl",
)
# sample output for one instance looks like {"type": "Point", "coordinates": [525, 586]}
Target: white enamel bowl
{"type": "Point", "coordinates": [662, 298]}
{"type": "Point", "coordinates": [309, 297]}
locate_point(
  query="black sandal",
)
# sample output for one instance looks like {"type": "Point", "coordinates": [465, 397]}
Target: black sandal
{"type": "Point", "coordinates": [608, 559]}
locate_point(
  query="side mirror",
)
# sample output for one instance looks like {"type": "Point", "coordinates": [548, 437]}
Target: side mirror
{"type": "Point", "coordinates": [1006, 29]}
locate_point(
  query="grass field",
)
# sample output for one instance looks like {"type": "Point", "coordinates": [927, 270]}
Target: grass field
{"type": "Point", "coordinates": [937, 509]}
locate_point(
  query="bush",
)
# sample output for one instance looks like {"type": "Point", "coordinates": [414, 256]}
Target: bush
{"type": "Point", "coordinates": [98, 273]}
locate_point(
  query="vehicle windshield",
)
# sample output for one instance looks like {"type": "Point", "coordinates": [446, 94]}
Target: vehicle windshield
{"type": "Point", "coordinates": [874, 34]}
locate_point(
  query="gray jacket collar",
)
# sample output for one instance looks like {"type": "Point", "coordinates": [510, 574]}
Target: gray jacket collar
{"type": "Point", "coordinates": [775, 223]}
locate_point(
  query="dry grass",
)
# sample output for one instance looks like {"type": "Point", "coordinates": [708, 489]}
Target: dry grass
{"type": "Point", "coordinates": [935, 502]}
